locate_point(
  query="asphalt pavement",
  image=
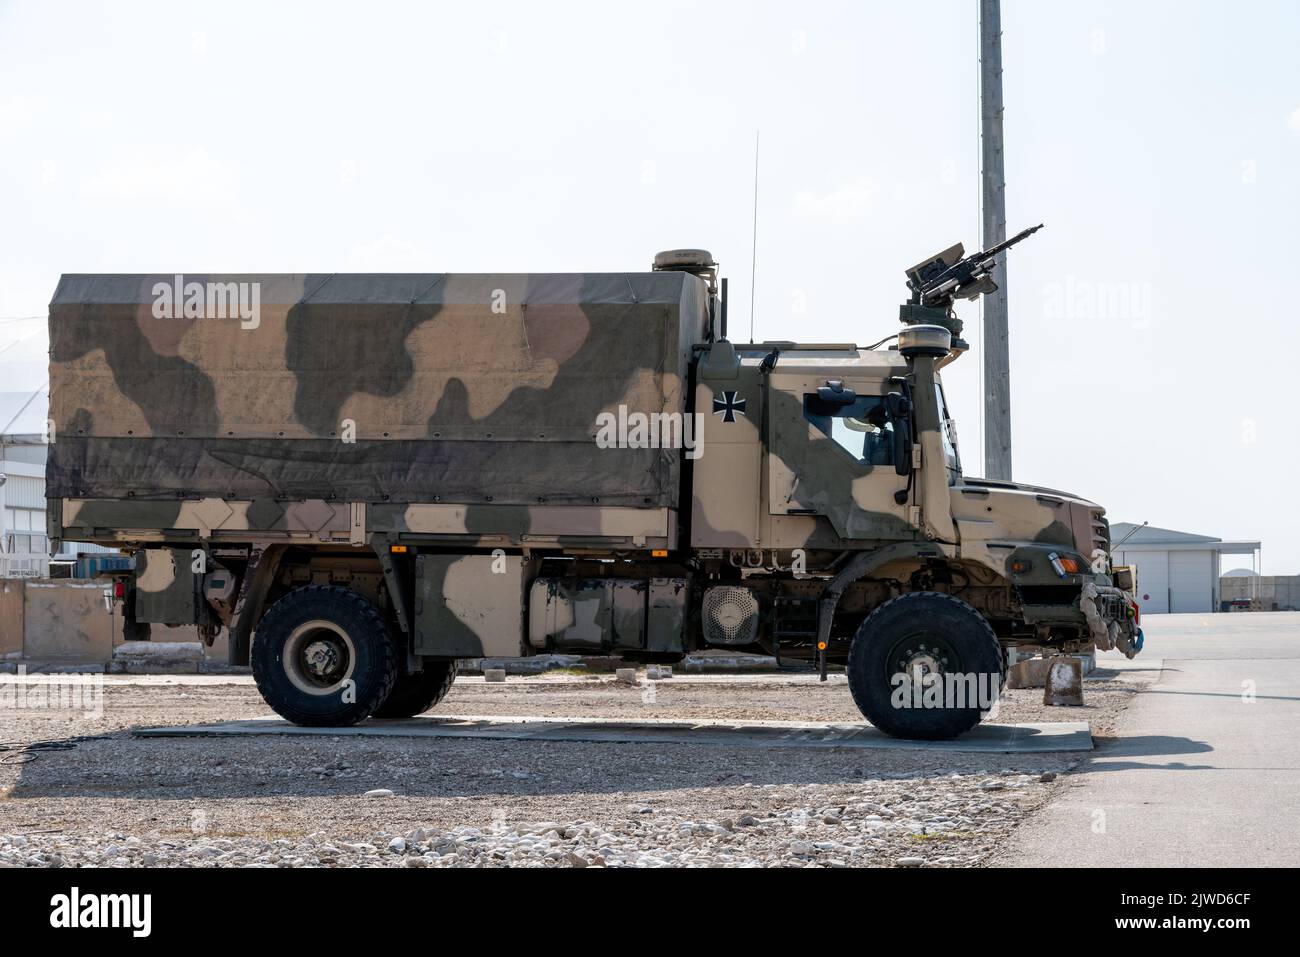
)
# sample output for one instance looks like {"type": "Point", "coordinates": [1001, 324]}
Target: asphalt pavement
{"type": "Point", "coordinates": [1204, 767]}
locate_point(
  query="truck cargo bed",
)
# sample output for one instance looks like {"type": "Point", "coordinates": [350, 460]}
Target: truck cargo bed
{"type": "Point", "coordinates": [393, 391]}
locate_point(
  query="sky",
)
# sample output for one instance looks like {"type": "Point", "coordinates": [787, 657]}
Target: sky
{"type": "Point", "coordinates": [1152, 367]}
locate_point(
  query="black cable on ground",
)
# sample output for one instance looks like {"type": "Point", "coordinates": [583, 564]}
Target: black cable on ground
{"type": "Point", "coordinates": [24, 752]}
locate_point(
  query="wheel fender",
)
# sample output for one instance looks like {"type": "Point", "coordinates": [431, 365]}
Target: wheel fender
{"type": "Point", "coordinates": [861, 565]}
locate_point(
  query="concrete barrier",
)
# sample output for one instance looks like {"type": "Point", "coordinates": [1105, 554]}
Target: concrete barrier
{"type": "Point", "coordinates": [62, 623]}
{"type": "Point", "coordinates": [66, 621]}
{"type": "Point", "coordinates": [1064, 682]}
{"type": "Point", "coordinates": [11, 618]}
{"type": "Point", "coordinates": [1033, 672]}
{"type": "Point", "coordinates": [1030, 673]}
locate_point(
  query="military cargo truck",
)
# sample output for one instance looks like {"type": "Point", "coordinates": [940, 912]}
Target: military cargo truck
{"type": "Point", "coordinates": [364, 479]}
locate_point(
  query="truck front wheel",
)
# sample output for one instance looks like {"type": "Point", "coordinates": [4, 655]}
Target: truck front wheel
{"type": "Point", "coordinates": [323, 656]}
{"type": "Point", "coordinates": [924, 666]}
{"type": "Point", "coordinates": [416, 693]}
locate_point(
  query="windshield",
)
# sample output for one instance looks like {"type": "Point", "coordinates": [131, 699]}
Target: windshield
{"type": "Point", "coordinates": [949, 432]}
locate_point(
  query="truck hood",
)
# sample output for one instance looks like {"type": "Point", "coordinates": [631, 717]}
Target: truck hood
{"type": "Point", "coordinates": [1012, 512]}
{"type": "Point", "coordinates": [1021, 487]}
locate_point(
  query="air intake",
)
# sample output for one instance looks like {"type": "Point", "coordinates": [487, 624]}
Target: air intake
{"type": "Point", "coordinates": [730, 616]}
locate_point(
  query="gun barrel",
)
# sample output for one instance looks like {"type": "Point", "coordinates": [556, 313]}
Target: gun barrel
{"type": "Point", "coordinates": [966, 278]}
{"type": "Point", "coordinates": [1008, 243]}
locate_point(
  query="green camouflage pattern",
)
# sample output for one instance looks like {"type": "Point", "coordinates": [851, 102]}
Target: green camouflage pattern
{"type": "Point", "coordinates": [461, 411]}
{"type": "Point", "coordinates": [816, 495]}
{"type": "Point", "coordinates": [473, 400]}
{"type": "Point", "coordinates": [771, 480]}
{"type": "Point", "coordinates": [387, 391]}
{"type": "Point", "coordinates": [471, 606]}
{"type": "Point", "coordinates": [166, 587]}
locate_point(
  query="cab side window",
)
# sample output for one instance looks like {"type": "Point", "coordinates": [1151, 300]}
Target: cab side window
{"type": "Point", "coordinates": [861, 428]}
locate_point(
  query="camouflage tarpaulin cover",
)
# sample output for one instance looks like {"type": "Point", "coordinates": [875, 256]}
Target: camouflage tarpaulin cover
{"type": "Point", "coordinates": [456, 388]}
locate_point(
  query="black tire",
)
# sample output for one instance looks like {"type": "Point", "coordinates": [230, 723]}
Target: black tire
{"type": "Point", "coordinates": [417, 693]}
{"type": "Point", "coordinates": [311, 644]}
{"type": "Point", "coordinates": [923, 633]}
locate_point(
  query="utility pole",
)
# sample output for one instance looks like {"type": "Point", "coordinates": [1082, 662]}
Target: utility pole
{"type": "Point", "coordinates": [997, 363]}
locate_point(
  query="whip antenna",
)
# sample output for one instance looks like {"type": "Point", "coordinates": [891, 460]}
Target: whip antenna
{"type": "Point", "coordinates": [753, 263]}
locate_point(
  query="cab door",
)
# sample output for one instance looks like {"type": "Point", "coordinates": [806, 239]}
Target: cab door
{"type": "Point", "coordinates": [726, 498]}
{"type": "Point", "coordinates": [834, 457]}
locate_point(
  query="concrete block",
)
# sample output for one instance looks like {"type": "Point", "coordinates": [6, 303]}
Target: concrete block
{"type": "Point", "coordinates": [187, 650]}
{"type": "Point", "coordinates": [1064, 682]}
{"type": "Point", "coordinates": [540, 664]}
{"type": "Point", "coordinates": [626, 676]}
{"type": "Point", "coordinates": [1021, 653]}
{"type": "Point", "coordinates": [66, 620]}
{"type": "Point", "coordinates": [158, 657]}
{"type": "Point", "coordinates": [659, 672]}
{"type": "Point", "coordinates": [154, 665]}
{"type": "Point", "coordinates": [725, 662]}
{"type": "Point", "coordinates": [52, 667]}
{"type": "Point", "coordinates": [1030, 673]}
{"type": "Point", "coordinates": [494, 675]}
{"type": "Point", "coordinates": [223, 668]}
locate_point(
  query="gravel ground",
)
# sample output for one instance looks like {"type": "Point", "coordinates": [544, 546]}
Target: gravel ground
{"type": "Point", "coordinates": [115, 800]}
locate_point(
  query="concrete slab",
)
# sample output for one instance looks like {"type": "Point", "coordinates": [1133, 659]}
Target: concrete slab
{"type": "Point", "coordinates": [709, 662]}
{"type": "Point", "coordinates": [995, 738]}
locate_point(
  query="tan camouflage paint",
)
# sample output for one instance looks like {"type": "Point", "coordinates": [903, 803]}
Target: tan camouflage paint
{"type": "Point", "coordinates": [160, 421]}
{"type": "Point", "coordinates": [470, 606]}
{"type": "Point", "coordinates": [742, 498]}
{"type": "Point", "coordinates": [166, 587]}
{"type": "Point", "coordinates": [480, 391]}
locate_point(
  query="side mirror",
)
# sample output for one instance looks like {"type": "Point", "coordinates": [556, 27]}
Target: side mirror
{"type": "Point", "coordinates": [898, 405]}
{"type": "Point", "coordinates": [899, 408]}
{"type": "Point", "coordinates": [833, 393]}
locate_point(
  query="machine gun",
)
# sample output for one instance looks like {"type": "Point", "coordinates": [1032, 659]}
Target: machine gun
{"type": "Point", "coordinates": [940, 280]}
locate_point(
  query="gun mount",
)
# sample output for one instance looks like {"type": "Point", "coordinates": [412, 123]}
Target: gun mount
{"type": "Point", "coordinates": [937, 282]}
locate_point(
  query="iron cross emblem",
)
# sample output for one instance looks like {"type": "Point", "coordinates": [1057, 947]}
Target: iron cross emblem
{"type": "Point", "coordinates": [728, 406]}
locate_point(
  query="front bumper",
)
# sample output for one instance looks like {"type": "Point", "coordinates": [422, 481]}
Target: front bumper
{"type": "Point", "coordinates": [1113, 617]}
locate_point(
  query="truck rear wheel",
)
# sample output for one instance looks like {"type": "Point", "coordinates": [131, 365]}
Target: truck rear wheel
{"type": "Point", "coordinates": [323, 656]}
{"type": "Point", "coordinates": [416, 693]}
{"type": "Point", "coordinates": [924, 665]}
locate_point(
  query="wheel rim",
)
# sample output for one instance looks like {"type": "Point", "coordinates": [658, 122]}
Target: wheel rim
{"type": "Point", "coordinates": [924, 658]}
{"type": "Point", "coordinates": [319, 657]}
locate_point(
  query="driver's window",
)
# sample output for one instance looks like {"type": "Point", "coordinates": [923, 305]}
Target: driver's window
{"type": "Point", "coordinates": [860, 428]}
